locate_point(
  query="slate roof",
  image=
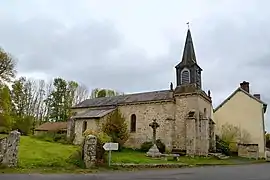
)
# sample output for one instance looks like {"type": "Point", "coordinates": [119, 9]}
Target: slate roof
{"type": "Point", "coordinates": [128, 98]}
{"type": "Point", "coordinates": [52, 126]}
{"type": "Point", "coordinates": [94, 113]}
{"type": "Point", "coordinates": [189, 57]}
{"type": "Point", "coordinates": [242, 90]}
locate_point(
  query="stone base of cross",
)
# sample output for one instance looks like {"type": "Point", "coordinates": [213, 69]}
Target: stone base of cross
{"type": "Point", "coordinates": [153, 152]}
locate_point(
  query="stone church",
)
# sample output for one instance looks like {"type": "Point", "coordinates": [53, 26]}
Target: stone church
{"type": "Point", "coordinates": [184, 113]}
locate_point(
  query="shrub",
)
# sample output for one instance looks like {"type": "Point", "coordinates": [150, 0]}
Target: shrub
{"type": "Point", "coordinates": [23, 124]}
{"type": "Point", "coordinates": [222, 146]}
{"type": "Point", "coordinates": [103, 137]}
{"type": "Point", "coordinates": [116, 127]}
{"type": "Point", "coordinates": [52, 137]}
{"type": "Point", "coordinates": [148, 144]}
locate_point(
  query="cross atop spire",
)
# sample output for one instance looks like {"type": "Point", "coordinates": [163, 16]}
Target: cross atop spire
{"type": "Point", "coordinates": [188, 25]}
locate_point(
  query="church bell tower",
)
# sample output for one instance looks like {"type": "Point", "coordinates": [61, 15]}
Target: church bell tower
{"type": "Point", "coordinates": [188, 72]}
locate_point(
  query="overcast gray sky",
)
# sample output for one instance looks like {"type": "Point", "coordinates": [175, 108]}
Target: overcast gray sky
{"type": "Point", "coordinates": [133, 46]}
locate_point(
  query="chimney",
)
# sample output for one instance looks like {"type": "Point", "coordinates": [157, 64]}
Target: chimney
{"type": "Point", "coordinates": [245, 85]}
{"type": "Point", "coordinates": [258, 96]}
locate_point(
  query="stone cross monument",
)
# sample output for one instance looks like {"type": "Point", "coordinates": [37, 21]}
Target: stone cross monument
{"type": "Point", "coordinates": [154, 125]}
{"type": "Point", "coordinates": [153, 151]}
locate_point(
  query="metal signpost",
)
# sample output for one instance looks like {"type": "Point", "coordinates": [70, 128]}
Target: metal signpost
{"type": "Point", "coordinates": [110, 147]}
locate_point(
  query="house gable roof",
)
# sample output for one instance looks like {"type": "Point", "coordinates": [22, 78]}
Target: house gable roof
{"type": "Point", "coordinates": [52, 126]}
{"type": "Point", "coordinates": [242, 90]}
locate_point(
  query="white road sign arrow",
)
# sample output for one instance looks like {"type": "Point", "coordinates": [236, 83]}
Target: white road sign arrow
{"type": "Point", "coordinates": [110, 146]}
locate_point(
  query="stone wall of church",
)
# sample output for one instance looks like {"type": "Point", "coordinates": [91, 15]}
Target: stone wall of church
{"type": "Point", "coordinates": [91, 124]}
{"type": "Point", "coordinates": [163, 112]}
{"type": "Point", "coordinates": [205, 108]}
{"type": "Point", "coordinates": [184, 104]}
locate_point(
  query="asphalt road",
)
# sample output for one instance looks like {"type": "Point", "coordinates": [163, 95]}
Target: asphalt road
{"type": "Point", "coordinates": [244, 172]}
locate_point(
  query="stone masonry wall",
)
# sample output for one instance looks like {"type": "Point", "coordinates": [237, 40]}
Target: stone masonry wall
{"type": "Point", "coordinates": [212, 136]}
{"type": "Point", "coordinates": [191, 136]}
{"type": "Point", "coordinates": [184, 104]}
{"type": "Point", "coordinates": [163, 112]}
{"type": "Point", "coordinates": [92, 124]}
{"type": "Point", "coordinates": [181, 110]}
{"type": "Point", "coordinates": [70, 128]}
{"type": "Point", "coordinates": [204, 140]}
{"type": "Point", "coordinates": [9, 147]}
{"type": "Point", "coordinates": [248, 150]}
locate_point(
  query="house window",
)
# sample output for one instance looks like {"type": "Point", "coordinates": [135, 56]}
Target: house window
{"type": "Point", "coordinates": [84, 127]}
{"type": "Point", "coordinates": [133, 123]}
{"type": "Point", "coordinates": [185, 76]}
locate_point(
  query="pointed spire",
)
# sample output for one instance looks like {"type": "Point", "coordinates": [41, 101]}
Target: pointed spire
{"type": "Point", "coordinates": [189, 52]}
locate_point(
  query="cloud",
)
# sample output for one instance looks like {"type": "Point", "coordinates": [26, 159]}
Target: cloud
{"type": "Point", "coordinates": [134, 47]}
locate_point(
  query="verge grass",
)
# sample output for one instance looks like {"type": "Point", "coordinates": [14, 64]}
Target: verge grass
{"type": "Point", "coordinates": [136, 157]}
{"type": "Point", "coordinates": [37, 156]}
{"type": "Point", "coordinates": [35, 153]}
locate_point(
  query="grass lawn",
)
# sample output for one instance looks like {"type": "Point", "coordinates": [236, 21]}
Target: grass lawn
{"type": "Point", "coordinates": [36, 153]}
{"type": "Point", "coordinates": [129, 156]}
{"type": "Point", "coordinates": [37, 156]}
{"type": "Point", "coordinates": [3, 136]}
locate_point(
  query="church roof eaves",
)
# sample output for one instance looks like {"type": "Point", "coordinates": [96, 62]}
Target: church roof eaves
{"type": "Point", "coordinates": [94, 113]}
{"type": "Point", "coordinates": [126, 99]}
{"type": "Point", "coordinates": [242, 90]}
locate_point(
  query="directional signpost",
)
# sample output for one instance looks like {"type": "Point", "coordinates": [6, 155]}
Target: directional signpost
{"type": "Point", "coordinates": [110, 147]}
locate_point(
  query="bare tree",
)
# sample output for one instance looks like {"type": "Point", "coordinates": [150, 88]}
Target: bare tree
{"type": "Point", "coordinates": [81, 94]}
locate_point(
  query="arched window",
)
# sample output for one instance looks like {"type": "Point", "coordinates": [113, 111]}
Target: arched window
{"type": "Point", "coordinates": [84, 127]}
{"type": "Point", "coordinates": [133, 123]}
{"type": "Point", "coordinates": [185, 76]}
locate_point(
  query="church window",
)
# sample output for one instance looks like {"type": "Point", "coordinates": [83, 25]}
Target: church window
{"type": "Point", "coordinates": [185, 76]}
{"type": "Point", "coordinates": [133, 123]}
{"type": "Point", "coordinates": [84, 127]}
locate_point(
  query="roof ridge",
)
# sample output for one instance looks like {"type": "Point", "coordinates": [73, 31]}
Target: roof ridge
{"type": "Point", "coordinates": [233, 93]}
{"type": "Point", "coordinates": [133, 97]}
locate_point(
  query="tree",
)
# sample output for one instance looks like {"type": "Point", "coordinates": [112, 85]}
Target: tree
{"type": "Point", "coordinates": [61, 99]}
{"type": "Point", "coordinates": [232, 135]}
{"type": "Point", "coordinates": [69, 97]}
{"type": "Point", "coordinates": [97, 93]}
{"type": "Point", "coordinates": [5, 109]}
{"type": "Point", "coordinates": [81, 94]}
{"type": "Point", "coordinates": [56, 100]}
{"type": "Point", "coordinates": [102, 93]}
{"type": "Point", "coordinates": [7, 66]}
{"type": "Point", "coordinates": [116, 127]}
{"type": "Point", "coordinates": [23, 105]}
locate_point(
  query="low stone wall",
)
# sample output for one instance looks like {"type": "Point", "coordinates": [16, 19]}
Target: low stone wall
{"type": "Point", "coordinates": [9, 147]}
{"type": "Point", "coordinates": [248, 150]}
